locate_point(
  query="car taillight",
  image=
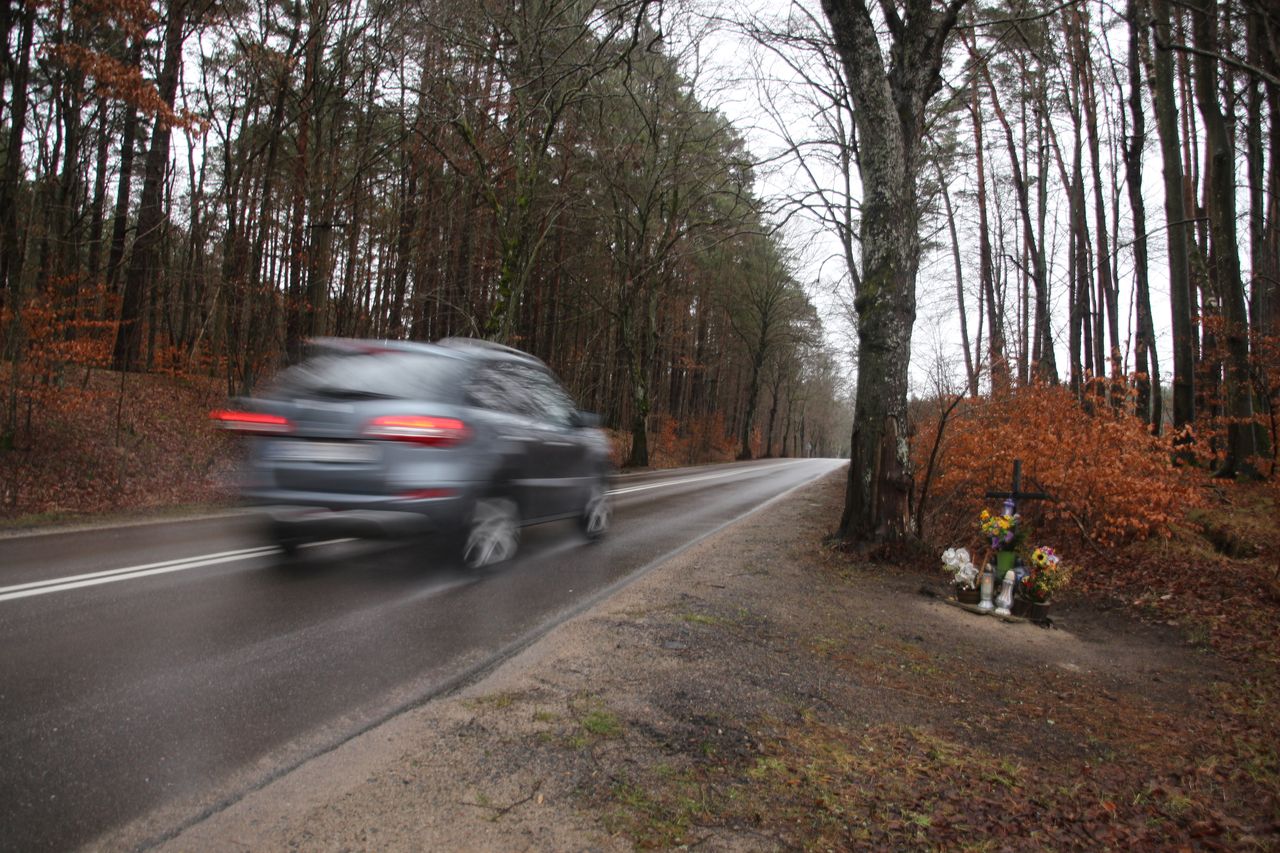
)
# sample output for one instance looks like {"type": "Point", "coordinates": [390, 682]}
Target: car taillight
{"type": "Point", "coordinates": [257, 423]}
{"type": "Point", "coordinates": [434, 432]}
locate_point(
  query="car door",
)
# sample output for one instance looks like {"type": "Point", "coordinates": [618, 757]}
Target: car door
{"type": "Point", "coordinates": [562, 468]}
{"type": "Point", "coordinates": [516, 431]}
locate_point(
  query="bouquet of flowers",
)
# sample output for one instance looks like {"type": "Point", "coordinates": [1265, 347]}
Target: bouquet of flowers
{"type": "Point", "coordinates": [1004, 531]}
{"type": "Point", "coordinates": [1047, 575]}
{"type": "Point", "coordinates": [963, 572]}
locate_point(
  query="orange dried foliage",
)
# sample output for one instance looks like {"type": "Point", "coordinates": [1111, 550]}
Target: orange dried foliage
{"type": "Point", "coordinates": [59, 333]}
{"type": "Point", "coordinates": [697, 441]}
{"type": "Point", "coordinates": [85, 452]}
{"type": "Point", "coordinates": [120, 81]}
{"type": "Point", "coordinates": [1112, 481]}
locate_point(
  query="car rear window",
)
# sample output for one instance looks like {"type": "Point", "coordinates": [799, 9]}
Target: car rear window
{"type": "Point", "coordinates": [371, 375]}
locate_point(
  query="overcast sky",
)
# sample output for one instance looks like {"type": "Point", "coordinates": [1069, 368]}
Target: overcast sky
{"type": "Point", "coordinates": [730, 72]}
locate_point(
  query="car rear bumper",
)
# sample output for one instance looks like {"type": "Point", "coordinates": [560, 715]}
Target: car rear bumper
{"type": "Point", "coordinates": [385, 520]}
{"type": "Point", "coordinates": [309, 523]}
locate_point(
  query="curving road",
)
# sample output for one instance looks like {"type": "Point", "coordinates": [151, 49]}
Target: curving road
{"type": "Point", "coordinates": [151, 674]}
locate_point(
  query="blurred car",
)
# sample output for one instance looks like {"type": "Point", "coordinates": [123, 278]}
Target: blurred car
{"type": "Point", "coordinates": [378, 439]}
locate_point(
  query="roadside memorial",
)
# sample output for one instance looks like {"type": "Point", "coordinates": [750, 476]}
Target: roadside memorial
{"type": "Point", "coordinates": [1008, 580]}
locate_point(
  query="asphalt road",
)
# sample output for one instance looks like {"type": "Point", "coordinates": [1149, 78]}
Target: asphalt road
{"type": "Point", "coordinates": [151, 674]}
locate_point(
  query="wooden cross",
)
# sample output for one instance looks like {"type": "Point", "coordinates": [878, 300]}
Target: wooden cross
{"type": "Point", "coordinates": [1016, 494]}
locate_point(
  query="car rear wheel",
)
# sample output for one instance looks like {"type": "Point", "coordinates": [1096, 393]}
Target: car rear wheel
{"type": "Point", "coordinates": [597, 513]}
{"type": "Point", "coordinates": [493, 534]}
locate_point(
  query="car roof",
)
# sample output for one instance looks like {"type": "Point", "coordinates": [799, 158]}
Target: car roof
{"type": "Point", "coordinates": [461, 348]}
{"type": "Point", "coordinates": [489, 349]}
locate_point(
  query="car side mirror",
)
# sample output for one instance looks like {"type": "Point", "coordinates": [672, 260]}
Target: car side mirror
{"type": "Point", "coordinates": [586, 420]}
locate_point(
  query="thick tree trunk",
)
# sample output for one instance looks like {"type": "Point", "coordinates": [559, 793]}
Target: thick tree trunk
{"type": "Point", "coordinates": [891, 98]}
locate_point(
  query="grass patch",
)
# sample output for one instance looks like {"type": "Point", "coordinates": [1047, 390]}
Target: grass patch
{"type": "Point", "coordinates": [702, 619]}
{"type": "Point", "coordinates": [660, 820]}
{"type": "Point", "coordinates": [601, 723]}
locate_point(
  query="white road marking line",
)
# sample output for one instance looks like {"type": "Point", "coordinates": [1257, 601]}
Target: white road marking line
{"type": "Point", "coordinates": [44, 587]}
{"type": "Point", "coordinates": [27, 590]}
{"type": "Point", "coordinates": [64, 585]}
{"type": "Point", "coordinates": [684, 480]}
{"type": "Point", "coordinates": [130, 569]}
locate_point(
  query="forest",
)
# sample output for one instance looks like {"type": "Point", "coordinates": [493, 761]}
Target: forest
{"type": "Point", "coordinates": [1087, 193]}
{"type": "Point", "coordinates": [197, 188]}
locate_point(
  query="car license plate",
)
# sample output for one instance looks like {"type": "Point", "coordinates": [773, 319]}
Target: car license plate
{"type": "Point", "coordinates": [338, 452]}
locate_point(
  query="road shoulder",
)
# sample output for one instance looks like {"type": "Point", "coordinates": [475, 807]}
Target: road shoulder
{"type": "Point", "coordinates": [756, 691]}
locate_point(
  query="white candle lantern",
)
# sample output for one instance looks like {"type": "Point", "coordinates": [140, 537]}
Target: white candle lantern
{"type": "Point", "coordinates": [986, 585]}
{"type": "Point", "coordinates": [1005, 601]}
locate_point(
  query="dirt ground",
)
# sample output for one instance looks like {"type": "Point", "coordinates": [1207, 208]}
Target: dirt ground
{"type": "Point", "coordinates": [762, 691]}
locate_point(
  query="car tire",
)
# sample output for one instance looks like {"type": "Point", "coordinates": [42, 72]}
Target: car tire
{"type": "Point", "coordinates": [493, 533]}
{"type": "Point", "coordinates": [597, 513]}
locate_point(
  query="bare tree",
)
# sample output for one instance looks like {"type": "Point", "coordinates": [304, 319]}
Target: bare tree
{"type": "Point", "coordinates": [889, 93]}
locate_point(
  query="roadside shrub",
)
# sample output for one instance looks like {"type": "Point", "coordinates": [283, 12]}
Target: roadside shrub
{"type": "Point", "coordinates": [1111, 480]}
{"type": "Point", "coordinates": [700, 440]}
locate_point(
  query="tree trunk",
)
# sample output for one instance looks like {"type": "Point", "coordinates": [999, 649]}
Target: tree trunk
{"type": "Point", "coordinates": [10, 236]}
{"type": "Point", "coordinates": [1241, 438]}
{"type": "Point", "coordinates": [124, 184]}
{"type": "Point", "coordinates": [1000, 380]}
{"type": "Point", "coordinates": [1149, 405]}
{"type": "Point", "coordinates": [145, 261]}
{"type": "Point", "coordinates": [1160, 79]}
{"type": "Point", "coordinates": [1046, 367]}
{"type": "Point", "coordinates": [97, 207]}
{"type": "Point", "coordinates": [1264, 258]}
{"type": "Point", "coordinates": [971, 375]}
{"type": "Point", "coordinates": [892, 99]}
{"type": "Point", "coordinates": [1107, 299]}
{"type": "Point", "coordinates": [753, 393]}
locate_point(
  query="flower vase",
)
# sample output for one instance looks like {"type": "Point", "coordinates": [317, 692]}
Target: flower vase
{"type": "Point", "coordinates": [1006, 561]}
{"type": "Point", "coordinates": [967, 594]}
{"type": "Point", "coordinates": [1039, 611]}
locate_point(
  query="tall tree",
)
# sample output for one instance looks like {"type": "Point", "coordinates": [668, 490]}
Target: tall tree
{"type": "Point", "coordinates": [1224, 251]}
{"type": "Point", "coordinates": [1160, 79]}
{"type": "Point", "coordinates": [1150, 401]}
{"type": "Point", "coordinates": [890, 93]}
{"type": "Point", "coordinates": [144, 265]}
